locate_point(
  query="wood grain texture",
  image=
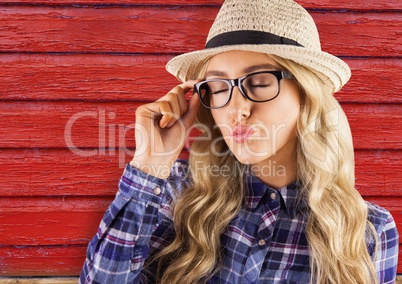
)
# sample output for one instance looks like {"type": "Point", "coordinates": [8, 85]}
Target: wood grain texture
{"type": "Point", "coordinates": [74, 221]}
{"type": "Point", "coordinates": [96, 77]}
{"type": "Point", "coordinates": [74, 281]}
{"type": "Point", "coordinates": [61, 172]}
{"type": "Point", "coordinates": [60, 226]}
{"type": "Point", "coordinates": [308, 4]}
{"type": "Point", "coordinates": [111, 124]}
{"type": "Point", "coordinates": [375, 126]}
{"type": "Point", "coordinates": [71, 280]}
{"type": "Point", "coordinates": [379, 172]}
{"type": "Point", "coordinates": [54, 29]}
{"type": "Point", "coordinates": [97, 61]}
{"type": "Point", "coordinates": [41, 260]}
{"type": "Point", "coordinates": [50, 221]}
{"type": "Point", "coordinates": [58, 280]}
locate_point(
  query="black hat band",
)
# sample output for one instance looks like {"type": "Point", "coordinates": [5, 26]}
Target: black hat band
{"type": "Point", "coordinates": [248, 37]}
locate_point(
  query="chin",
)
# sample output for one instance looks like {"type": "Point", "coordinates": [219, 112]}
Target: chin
{"type": "Point", "coordinates": [249, 160]}
{"type": "Point", "coordinates": [250, 156]}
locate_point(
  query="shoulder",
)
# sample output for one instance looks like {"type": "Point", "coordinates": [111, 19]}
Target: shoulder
{"type": "Point", "coordinates": [386, 250]}
{"type": "Point", "coordinates": [385, 227]}
{"type": "Point", "coordinates": [379, 216]}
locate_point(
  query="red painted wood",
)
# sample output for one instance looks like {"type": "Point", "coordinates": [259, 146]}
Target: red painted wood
{"type": "Point", "coordinates": [322, 4]}
{"type": "Point", "coordinates": [88, 124]}
{"type": "Point", "coordinates": [60, 172]}
{"type": "Point", "coordinates": [143, 78]}
{"type": "Point", "coordinates": [337, 31]}
{"type": "Point", "coordinates": [372, 81]}
{"type": "Point", "coordinates": [358, 5]}
{"type": "Point", "coordinates": [74, 221]}
{"type": "Point", "coordinates": [375, 126]}
{"type": "Point", "coordinates": [28, 29]}
{"type": "Point", "coordinates": [52, 199]}
{"type": "Point", "coordinates": [61, 77]}
{"type": "Point", "coordinates": [41, 260]}
{"type": "Point", "coordinates": [50, 221]}
{"type": "Point", "coordinates": [379, 172]}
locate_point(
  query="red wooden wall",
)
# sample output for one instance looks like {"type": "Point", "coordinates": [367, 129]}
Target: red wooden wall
{"type": "Point", "coordinates": [73, 73]}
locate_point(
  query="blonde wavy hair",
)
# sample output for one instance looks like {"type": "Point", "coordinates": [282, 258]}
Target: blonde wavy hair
{"type": "Point", "coordinates": [337, 227]}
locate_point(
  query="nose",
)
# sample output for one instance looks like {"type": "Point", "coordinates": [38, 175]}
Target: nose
{"type": "Point", "coordinates": [239, 106]}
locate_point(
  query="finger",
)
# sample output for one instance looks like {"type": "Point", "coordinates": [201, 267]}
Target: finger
{"type": "Point", "coordinates": [159, 112]}
{"type": "Point", "coordinates": [188, 85]}
{"type": "Point", "coordinates": [191, 114]}
{"type": "Point", "coordinates": [181, 91]}
{"type": "Point", "coordinates": [177, 97]}
{"type": "Point", "coordinates": [169, 116]}
{"type": "Point", "coordinates": [181, 99]}
{"type": "Point", "coordinates": [173, 100]}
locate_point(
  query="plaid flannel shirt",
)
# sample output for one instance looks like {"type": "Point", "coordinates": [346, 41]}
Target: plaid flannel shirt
{"type": "Point", "coordinates": [264, 243]}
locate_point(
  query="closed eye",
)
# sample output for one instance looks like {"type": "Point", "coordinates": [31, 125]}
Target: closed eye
{"type": "Point", "coordinates": [219, 91]}
{"type": "Point", "coordinates": [260, 86]}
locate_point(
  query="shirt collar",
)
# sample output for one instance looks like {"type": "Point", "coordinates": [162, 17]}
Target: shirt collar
{"type": "Point", "coordinates": [290, 197]}
{"type": "Point", "coordinates": [255, 191]}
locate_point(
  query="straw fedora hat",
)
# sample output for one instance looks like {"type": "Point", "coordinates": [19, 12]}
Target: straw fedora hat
{"type": "Point", "coordinates": [277, 27]}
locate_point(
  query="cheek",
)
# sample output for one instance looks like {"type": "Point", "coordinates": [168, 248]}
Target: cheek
{"type": "Point", "coordinates": [219, 116]}
{"type": "Point", "coordinates": [287, 106]}
{"type": "Point", "coordinates": [219, 120]}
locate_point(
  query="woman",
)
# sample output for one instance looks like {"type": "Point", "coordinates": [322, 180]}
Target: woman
{"type": "Point", "coordinates": [268, 193]}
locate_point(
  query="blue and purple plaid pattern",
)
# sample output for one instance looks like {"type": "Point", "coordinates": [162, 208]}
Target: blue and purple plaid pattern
{"type": "Point", "coordinates": [264, 243]}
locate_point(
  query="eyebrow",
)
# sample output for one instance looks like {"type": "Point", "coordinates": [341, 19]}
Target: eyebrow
{"type": "Point", "coordinates": [216, 73]}
{"type": "Point", "coordinates": [259, 67]}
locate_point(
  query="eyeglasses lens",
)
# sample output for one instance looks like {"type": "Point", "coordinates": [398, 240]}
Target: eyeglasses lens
{"type": "Point", "coordinates": [259, 87]}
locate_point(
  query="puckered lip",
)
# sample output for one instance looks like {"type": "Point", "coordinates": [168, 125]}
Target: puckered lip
{"type": "Point", "coordinates": [241, 133]}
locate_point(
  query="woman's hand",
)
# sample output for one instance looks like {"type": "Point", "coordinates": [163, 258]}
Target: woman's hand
{"type": "Point", "coordinates": [161, 129]}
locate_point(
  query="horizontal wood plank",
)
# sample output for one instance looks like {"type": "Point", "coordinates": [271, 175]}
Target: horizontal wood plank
{"type": "Point", "coordinates": [154, 30]}
{"type": "Point", "coordinates": [372, 82]}
{"type": "Point", "coordinates": [375, 125]}
{"type": "Point", "coordinates": [64, 60]}
{"type": "Point", "coordinates": [42, 260]}
{"type": "Point", "coordinates": [71, 280]}
{"type": "Point", "coordinates": [378, 173]}
{"type": "Point", "coordinates": [53, 260]}
{"type": "Point", "coordinates": [37, 280]}
{"type": "Point", "coordinates": [353, 5]}
{"type": "Point", "coordinates": [85, 77]}
{"type": "Point", "coordinates": [93, 77]}
{"type": "Point", "coordinates": [74, 221]}
{"type": "Point", "coordinates": [308, 4]}
{"type": "Point", "coordinates": [61, 172]}
{"type": "Point", "coordinates": [50, 221]}
{"type": "Point", "coordinates": [337, 34]}
{"type": "Point", "coordinates": [87, 124]}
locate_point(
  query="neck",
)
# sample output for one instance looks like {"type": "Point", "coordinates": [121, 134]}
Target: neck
{"type": "Point", "coordinates": [280, 169]}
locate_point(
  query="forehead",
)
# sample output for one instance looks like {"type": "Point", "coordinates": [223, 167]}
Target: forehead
{"type": "Point", "coordinates": [238, 63]}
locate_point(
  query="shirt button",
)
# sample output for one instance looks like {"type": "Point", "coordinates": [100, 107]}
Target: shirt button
{"type": "Point", "coordinates": [261, 242]}
{"type": "Point", "coordinates": [157, 190]}
{"type": "Point", "coordinates": [273, 196]}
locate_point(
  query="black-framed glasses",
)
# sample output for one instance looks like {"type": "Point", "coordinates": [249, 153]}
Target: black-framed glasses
{"type": "Point", "coordinates": [258, 87]}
